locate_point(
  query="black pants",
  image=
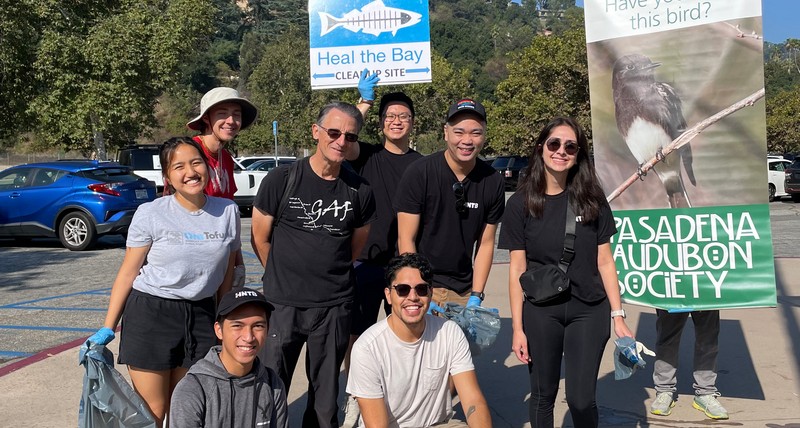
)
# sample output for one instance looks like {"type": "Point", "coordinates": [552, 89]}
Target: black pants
{"type": "Point", "coordinates": [579, 331]}
{"type": "Point", "coordinates": [370, 283]}
{"type": "Point", "coordinates": [326, 334]}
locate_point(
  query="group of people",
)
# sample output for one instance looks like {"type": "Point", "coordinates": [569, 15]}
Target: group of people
{"type": "Point", "coordinates": [341, 233]}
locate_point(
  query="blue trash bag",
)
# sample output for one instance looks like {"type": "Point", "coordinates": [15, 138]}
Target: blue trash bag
{"type": "Point", "coordinates": [626, 359]}
{"type": "Point", "coordinates": [479, 324]}
{"type": "Point", "coordinates": [108, 401]}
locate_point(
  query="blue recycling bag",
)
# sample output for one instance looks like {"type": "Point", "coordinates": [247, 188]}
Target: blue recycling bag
{"type": "Point", "coordinates": [108, 401]}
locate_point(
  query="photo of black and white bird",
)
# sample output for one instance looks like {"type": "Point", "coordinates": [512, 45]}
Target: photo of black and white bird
{"type": "Point", "coordinates": [649, 116]}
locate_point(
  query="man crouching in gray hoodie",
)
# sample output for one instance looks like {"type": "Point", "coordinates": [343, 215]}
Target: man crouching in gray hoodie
{"type": "Point", "coordinates": [230, 387]}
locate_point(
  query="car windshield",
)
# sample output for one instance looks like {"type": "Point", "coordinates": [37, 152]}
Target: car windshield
{"type": "Point", "coordinates": [111, 175]}
{"type": "Point", "coordinates": [142, 159]}
{"type": "Point", "coordinates": [501, 162]}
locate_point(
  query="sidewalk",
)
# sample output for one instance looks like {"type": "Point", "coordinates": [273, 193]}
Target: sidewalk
{"type": "Point", "coordinates": [759, 373]}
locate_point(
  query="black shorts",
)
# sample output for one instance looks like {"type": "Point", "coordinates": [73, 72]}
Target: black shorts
{"type": "Point", "coordinates": [370, 283]}
{"type": "Point", "coordinates": [163, 334]}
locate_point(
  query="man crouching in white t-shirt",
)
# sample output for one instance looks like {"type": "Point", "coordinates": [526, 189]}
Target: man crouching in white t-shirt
{"type": "Point", "coordinates": [399, 367]}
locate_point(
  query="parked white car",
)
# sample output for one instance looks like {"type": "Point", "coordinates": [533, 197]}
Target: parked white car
{"type": "Point", "coordinates": [246, 161]}
{"type": "Point", "coordinates": [144, 161]}
{"type": "Point", "coordinates": [776, 176]}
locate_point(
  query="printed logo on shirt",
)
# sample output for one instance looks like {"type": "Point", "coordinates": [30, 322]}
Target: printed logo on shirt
{"type": "Point", "coordinates": [199, 238]}
{"type": "Point", "coordinates": [579, 219]}
{"type": "Point", "coordinates": [174, 237]}
{"type": "Point", "coordinates": [471, 205]}
{"type": "Point", "coordinates": [317, 215]}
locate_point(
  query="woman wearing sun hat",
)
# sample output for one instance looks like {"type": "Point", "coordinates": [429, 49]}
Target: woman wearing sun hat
{"type": "Point", "coordinates": [223, 113]}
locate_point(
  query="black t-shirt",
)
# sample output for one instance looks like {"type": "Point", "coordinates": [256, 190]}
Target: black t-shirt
{"type": "Point", "coordinates": [446, 237]}
{"type": "Point", "coordinates": [382, 169]}
{"type": "Point", "coordinates": [543, 240]}
{"type": "Point", "coordinates": [310, 262]}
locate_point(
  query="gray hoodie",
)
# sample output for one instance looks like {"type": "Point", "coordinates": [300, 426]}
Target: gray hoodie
{"type": "Point", "coordinates": [209, 396]}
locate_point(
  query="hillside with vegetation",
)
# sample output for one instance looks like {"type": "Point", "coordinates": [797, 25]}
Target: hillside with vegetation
{"type": "Point", "coordinates": [83, 76]}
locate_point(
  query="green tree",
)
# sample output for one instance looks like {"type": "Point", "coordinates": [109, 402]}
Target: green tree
{"type": "Point", "coordinates": [18, 37]}
{"type": "Point", "coordinates": [783, 121]}
{"type": "Point", "coordinates": [101, 65]}
{"type": "Point", "coordinates": [548, 78]}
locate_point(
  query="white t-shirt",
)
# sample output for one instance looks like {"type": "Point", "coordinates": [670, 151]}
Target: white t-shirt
{"type": "Point", "coordinates": [410, 377]}
{"type": "Point", "coordinates": [189, 251]}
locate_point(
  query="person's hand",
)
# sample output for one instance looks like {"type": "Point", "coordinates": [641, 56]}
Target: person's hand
{"type": "Point", "coordinates": [434, 307]}
{"type": "Point", "coordinates": [621, 328]}
{"type": "Point", "coordinates": [239, 276]}
{"type": "Point", "coordinates": [366, 85]}
{"type": "Point", "coordinates": [519, 345]}
{"type": "Point", "coordinates": [103, 336]}
{"type": "Point", "coordinates": [474, 302]}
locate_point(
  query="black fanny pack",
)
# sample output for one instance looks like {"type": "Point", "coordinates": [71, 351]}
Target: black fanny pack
{"type": "Point", "coordinates": [542, 283]}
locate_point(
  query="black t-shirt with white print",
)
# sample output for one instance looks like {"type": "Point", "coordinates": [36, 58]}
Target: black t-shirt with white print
{"type": "Point", "coordinates": [382, 169]}
{"type": "Point", "coordinates": [310, 261]}
{"type": "Point", "coordinates": [445, 236]}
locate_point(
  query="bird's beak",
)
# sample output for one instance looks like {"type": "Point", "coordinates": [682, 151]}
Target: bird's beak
{"type": "Point", "coordinates": [651, 65]}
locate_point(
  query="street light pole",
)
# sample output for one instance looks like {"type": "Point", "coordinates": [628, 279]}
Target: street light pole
{"type": "Point", "coordinates": [275, 133]}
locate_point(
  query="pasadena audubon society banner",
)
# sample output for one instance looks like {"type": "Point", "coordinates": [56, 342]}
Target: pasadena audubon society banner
{"type": "Point", "coordinates": [693, 219]}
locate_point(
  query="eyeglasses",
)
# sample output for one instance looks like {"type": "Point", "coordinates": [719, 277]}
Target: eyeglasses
{"type": "Point", "coordinates": [422, 290]}
{"type": "Point", "coordinates": [404, 117]}
{"type": "Point", "coordinates": [571, 147]}
{"type": "Point", "coordinates": [461, 201]}
{"type": "Point", "coordinates": [335, 134]}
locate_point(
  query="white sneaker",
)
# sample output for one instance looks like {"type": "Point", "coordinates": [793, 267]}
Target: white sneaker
{"type": "Point", "coordinates": [351, 412]}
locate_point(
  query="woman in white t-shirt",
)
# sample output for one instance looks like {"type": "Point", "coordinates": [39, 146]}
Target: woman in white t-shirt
{"type": "Point", "coordinates": [179, 259]}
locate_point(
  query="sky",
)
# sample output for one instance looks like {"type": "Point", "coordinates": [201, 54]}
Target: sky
{"type": "Point", "coordinates": [780, 19]}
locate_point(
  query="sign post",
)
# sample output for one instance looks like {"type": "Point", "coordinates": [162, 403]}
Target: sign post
{"type": "Point", "coordinates": [275, 134]}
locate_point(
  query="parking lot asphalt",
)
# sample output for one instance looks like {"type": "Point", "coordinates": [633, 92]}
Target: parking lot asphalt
{"type": "Point", "coordinates": [51, 299]}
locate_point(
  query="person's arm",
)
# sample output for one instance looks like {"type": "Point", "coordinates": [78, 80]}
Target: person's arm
{"type": "Point", "coordinates": [608, 273]}
{"type": "Point", "coordinates": [373, 411]}
{"type": "Point", "coordinates": [186, 405]}
{"type": "Point", "coordinates": [128, 271]}
{"type": "Point", "coordinates": [519, 341]}
{"type": "Point", "coordinates": [359, 239]}
{"type": "Point", "coordinates": [261, 233]}
{"type": "Point", "coordinates": [280, 412]}
{"type": "Point", "coordinates": [353, 151]}
{"type": "Point", "coordinates": [227, 281]}
{"type": "Point", "coordinates": [473, 403]}
{"type": "Point", "coordinates": [407, 228]}
{"type": "Point", "coordinates": [483, 258]}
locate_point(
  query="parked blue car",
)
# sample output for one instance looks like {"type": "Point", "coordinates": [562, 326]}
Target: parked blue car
{"type": "Point", "coordinates": [76, 201]}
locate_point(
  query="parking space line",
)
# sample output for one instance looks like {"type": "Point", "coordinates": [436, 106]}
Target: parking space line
{"type": "Point", "coordinates": [44, 299]}
{"type": "Point", "coordinates": [53, 308]}
{"type": "Point", "coordinates": [49, 328]}
{"type": "Point", "coordinates": [14, 354]}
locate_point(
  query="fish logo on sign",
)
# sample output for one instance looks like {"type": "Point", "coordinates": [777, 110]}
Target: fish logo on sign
{"type": "Point", "coordinates": [374, 18]}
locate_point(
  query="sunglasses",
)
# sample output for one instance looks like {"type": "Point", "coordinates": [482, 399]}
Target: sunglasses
{"type": "Point", "coordinates": [570, 147]}
{"type": "Point", "coordinates": [402, 290]}
{"type": "Point", "coordinates": [335, 134]}
{"type": "Point", "coordinates": [461, 201]}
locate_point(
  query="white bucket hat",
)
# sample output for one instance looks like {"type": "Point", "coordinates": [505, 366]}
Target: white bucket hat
{"type": "Point", "coordinates": [224, 95]}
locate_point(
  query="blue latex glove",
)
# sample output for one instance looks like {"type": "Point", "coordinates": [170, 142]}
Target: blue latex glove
{"type": "Point", "coordinates": [366, 85]}
{"type": "Point", "coordinates": [435, 307]}
{"type": "Point", "coordinates": [103, 336]}
{"type": "Point", "coordinates": [474, 302]}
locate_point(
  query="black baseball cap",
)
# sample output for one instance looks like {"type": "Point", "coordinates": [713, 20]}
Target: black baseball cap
{"type": "Point", "coordinates": [395, 97]}
{"type": "Point", "coordinates": [466, 105]}
{"type": "Point", "coordinates": [240, 296]}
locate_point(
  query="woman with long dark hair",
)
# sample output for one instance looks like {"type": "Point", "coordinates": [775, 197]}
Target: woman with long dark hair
{"type": "Point", "coordinates": [575, 323]}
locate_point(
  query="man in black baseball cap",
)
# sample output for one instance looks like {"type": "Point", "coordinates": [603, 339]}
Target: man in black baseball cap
{"type": "Point", "coordinates": [204, 396]}
{"type": "Point", "coordinates": [448, 205]}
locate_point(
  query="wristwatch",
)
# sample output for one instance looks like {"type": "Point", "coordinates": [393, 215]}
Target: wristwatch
{"type": "Point", "coordinates": [370, 102]}
{"type": "Point", "coordinates": [618, 313]}
{"type": "Point", "coordinates": [478, 294]}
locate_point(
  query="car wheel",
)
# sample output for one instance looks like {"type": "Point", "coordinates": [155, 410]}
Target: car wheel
{"type": "Point", "coordinates": [796, 197]}
{"type": "Point", "coordinates": [76, 231]}
{"type": "Point", "coordinates": [771, 192]}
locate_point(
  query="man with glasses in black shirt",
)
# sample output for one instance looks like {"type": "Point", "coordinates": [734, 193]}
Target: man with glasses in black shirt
{"type": "Point", "coordinates": [307, 246]}
{"type": "Point", "coordinates": [448, 206]}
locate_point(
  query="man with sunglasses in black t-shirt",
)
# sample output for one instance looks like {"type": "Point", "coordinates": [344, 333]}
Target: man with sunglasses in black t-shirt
{"type": "Point", "coordinates": [308, 250]}
{"type": "Point", "coordinates": [448, 205]}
